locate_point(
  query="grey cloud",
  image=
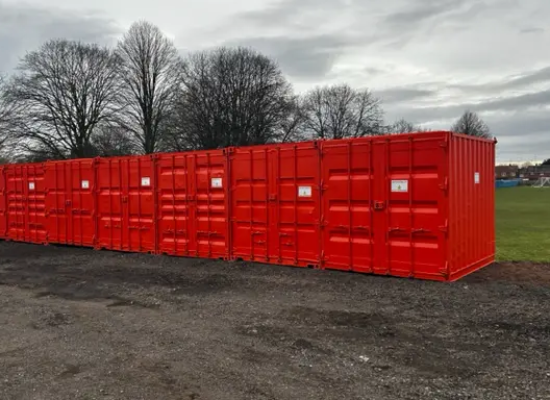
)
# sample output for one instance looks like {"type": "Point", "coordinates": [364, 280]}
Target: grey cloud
{"type": "Point", "coordinates": [417, 12]}
{"type": "Point", "coordinates": [507, 83]}
{"type": "Point", "coordinates": [531, 30]}
{"type": "Point", "coordinates": [435, 113]}
{"type": "Point", "coordinates": [289, 13]}
{"type": "Point", "coordinates": [24, 27]}
{"type": "Point", "coordinates": [404, 94]}
{"type": "Point", "coordinates": [534, 146]}
{"type": "Point", "coordinates": [432, 91]}
{"type": "Point", "coordinates": [307, 59]}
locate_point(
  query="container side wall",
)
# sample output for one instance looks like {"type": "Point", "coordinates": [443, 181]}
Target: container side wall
{"type": "Point", "coordinates": [472, 190]}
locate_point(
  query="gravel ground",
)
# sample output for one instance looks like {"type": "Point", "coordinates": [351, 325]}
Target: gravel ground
{"type": "Point", "coordinates": [80, 324]}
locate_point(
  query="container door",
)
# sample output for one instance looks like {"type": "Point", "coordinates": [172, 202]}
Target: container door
{"type": "Point", "coordinates": [36, 231]}
{"type": "Point", "coordinates": [192, 204]}
{"type": "Point", "coordinates": [58, 201]}
{"type": "Point", "coordinates": [410, 205]}
{"type": "Point", "coordinates": [295, 205]}
{"type": "Point", "coordinates": [139, 205]}
{"type": "Point", "coordinates": [380, 206]}
{"type": "Point", "coordinates": [250, 203]}
{"type": "Point", "coordinates": [174, 205]}
{"type": "Point", "coordinates": [348, 217]}
{"type": "Point", "coordinates": [209, 214]}
{"type": "Point", "coordinates": [111, 200]}
{"type": "Point", "coordinates": [16, 202]}
{"type": "Point", "coordinates": [3, 217]}
{"type": "Point", "coordinates": [82, 206]}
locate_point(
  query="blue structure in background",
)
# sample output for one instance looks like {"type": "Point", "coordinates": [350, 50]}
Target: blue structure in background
{"type": "Point", "coordinates": [507, 183]}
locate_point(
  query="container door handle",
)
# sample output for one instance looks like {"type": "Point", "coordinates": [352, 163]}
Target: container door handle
{"type": "Point", "coordinates": [379, 205]}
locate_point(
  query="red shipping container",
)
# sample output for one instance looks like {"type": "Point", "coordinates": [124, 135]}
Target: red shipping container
{"type": "Point", "coordinates": [71, 202]}
{"type": "Point", "coordinates": [275, 203]}
{"type": "Point", "coordinates": [3, 219]}
{"type": "Point", "coordinates": [25, 203]}
{"type": "Point", "coordinates": [192, 204]}
{"type": "Point", "coordinates": [418, 205]}
{"type": "Point", "coordinates": [126, 204]}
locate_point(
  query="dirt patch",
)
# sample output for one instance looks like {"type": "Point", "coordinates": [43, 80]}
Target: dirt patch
{"type": "Point", "coordinates": [81, 324]}
{"type": "Point", "coordinates": [518, 273]}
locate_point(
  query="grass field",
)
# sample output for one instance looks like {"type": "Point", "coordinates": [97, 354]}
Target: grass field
{"type": "Point", "coordinates": [523, 224]}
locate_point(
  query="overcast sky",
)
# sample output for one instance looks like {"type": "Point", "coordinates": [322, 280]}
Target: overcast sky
{"type": "Point", "coordinates": [427, 59]}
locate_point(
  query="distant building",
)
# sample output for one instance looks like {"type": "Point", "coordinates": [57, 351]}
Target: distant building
{"type": "Point", "coordinates": [507, 171]}
{"type": "Point", "coordinates": [535, 172]}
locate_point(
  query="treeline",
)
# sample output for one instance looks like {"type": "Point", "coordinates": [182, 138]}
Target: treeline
{"type": "Point", "coordinates": [70, 99]}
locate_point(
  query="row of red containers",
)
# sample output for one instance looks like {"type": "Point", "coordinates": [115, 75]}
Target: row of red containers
{"type": "Point", "coordinates": [419, 205]}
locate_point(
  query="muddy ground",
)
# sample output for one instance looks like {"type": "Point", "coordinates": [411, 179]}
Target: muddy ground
{"type": "Point", "coordinates": [80, 324]}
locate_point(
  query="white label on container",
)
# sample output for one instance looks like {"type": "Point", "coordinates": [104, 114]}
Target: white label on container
{"type": "Point", "coordinates": [305, 191]}
{"type": "Point", "coordinates": [400, 186]}
{"type": "Point", "coordinates": [476, 178]}
{"type": "Point", "coordinates": [217, 182]}
{"type": "Point", "coordinates": [31, 185]}
{"type": "Point", "coordinates": [145, 181]}
{"type": "Point", "coordinates": [85, 184]}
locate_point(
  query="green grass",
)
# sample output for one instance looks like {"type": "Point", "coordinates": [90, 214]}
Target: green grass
{"type": "Point", "coordinates": [523, 224]}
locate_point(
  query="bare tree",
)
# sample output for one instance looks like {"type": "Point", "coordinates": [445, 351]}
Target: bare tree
{"type": "Point", "coordinates": [335, 112]}
{"type": "Point", "coordinates": [112, 140]}
{"type": "Point", "coordinates": [151, 71]}
{"type": "Point", "coordinates": [232, 97]}
{"type": "Point", "coordinates": [292, 125]}
{"type": "Point", "coordinates": [403, 126]}
{"type": "Point", "coordinates": [7, 114]}
{"type": "Point", "coordinates": [471, 124]}
{"type": "Point", "coordinates": [60, 93]}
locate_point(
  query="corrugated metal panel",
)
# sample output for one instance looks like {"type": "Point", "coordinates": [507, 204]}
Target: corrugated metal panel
{"type": "Point", "coordinates": [70, 202]}
{"type": "Point", "coordinates": [192, 204]}
{"type": "Point", "coordinates": [126, 204]}
{"type": "Point", "coordinates": [25, 198]}
{"type": "Point", "coordinates": [275, 204]}
{"type": "Point", "coordinates": [3, 219]}
{"type": "Point", "coordinates": [472, 202]}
